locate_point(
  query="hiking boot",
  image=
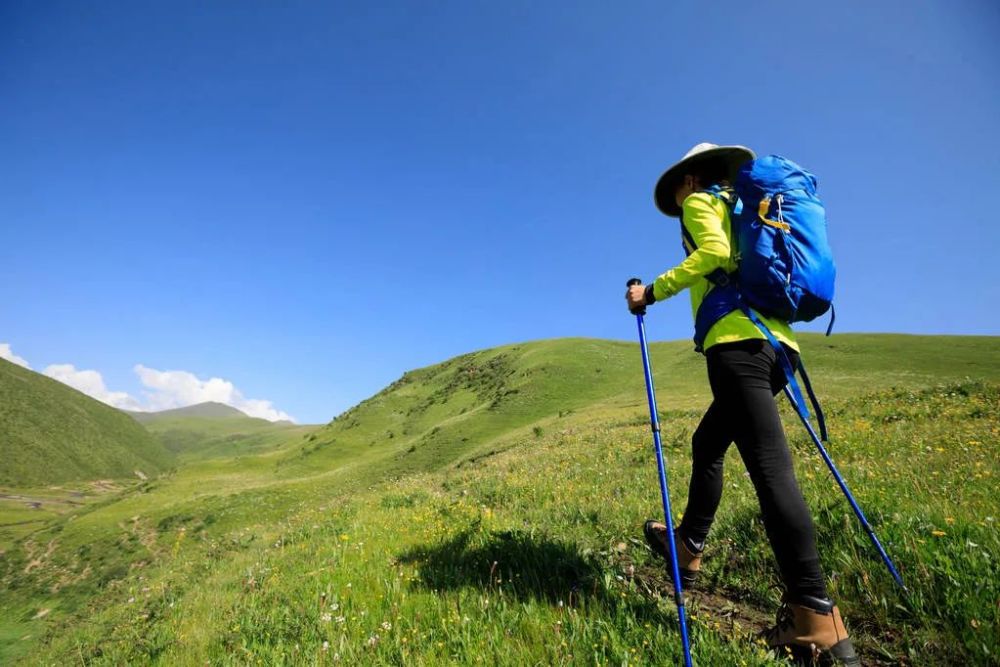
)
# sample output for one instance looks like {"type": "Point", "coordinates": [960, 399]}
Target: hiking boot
{"type": "Point", "coordinates": [688, 551]}
{"type": "Point", "coordinates": [813, 632]}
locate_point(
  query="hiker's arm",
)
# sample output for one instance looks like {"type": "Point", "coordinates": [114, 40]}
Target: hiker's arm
{"type": "Point", "coordinates": [703, 216]}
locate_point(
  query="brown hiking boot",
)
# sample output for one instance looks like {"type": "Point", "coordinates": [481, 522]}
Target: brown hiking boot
{"type": "Point", "coordinates": [813, 632]}
{"type": "Point", "coordinates": [688, 551]}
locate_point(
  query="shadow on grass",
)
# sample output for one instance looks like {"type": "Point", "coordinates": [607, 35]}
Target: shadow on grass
{"type": "Point", "coordinates": [517, 562]}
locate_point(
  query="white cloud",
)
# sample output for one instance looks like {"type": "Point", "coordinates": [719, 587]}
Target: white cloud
{"type": "Point", "coordinates": [8, 354]}
{"type": "Point", "coordinates": [91, 383]}
{"type": "Point", "coordinates": [164, 390]}
{"type": "Point", "coordinates": [176, 389]}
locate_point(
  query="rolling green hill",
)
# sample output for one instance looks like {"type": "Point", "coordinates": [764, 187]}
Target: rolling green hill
{"type": "Point", "coordinates": [449, 410]}
{"type": "Point", "coordinates": [215, 430]}
{"type": "Point", "coordinates": [488, 510]}
{"type": "Point", "coordinates": [51, 433]}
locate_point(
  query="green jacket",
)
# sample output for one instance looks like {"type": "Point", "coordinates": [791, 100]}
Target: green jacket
{"type": "Point", "coordinates": [706, 219]}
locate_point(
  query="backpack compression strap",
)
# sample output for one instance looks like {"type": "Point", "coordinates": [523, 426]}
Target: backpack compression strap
{"type": "Point", "coordinates": [813, 400]}
{"type": "Point", "coordinates": [798, 402]}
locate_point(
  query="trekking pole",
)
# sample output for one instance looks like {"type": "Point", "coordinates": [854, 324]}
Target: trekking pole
{"type": "Point", "coordinates": [655, 425]}
{"type": "Point", "coordinates": [847, 492]}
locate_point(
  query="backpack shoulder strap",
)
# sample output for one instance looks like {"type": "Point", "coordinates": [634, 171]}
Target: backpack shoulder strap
{"type": "Point", "coordinates": [689, 245]}
{"type": "Point", "coordinates": [726, 195]}
{"type": "Point", "coordinates": [715, 191]}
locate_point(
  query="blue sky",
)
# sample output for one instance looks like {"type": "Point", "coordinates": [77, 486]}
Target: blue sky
{"type": "Point", "coordinates": [304, 199]}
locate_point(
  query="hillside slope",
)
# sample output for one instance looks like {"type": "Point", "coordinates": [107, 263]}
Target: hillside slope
{"type": "Point", "coordinates": [442, 412]}
{"type": "Point", "coordinates": [51, 433]}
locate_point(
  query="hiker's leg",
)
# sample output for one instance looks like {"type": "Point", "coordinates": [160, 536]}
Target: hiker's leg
{"type": "Point", "coordinates": [709, 444]}
{"type": "Point", "coordinates": [743, 379]}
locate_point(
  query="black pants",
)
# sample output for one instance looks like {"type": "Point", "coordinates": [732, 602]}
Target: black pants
{"type": "Point", "coordinates": [745, 376]}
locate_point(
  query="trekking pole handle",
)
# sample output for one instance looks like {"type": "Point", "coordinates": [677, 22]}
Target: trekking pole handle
{"type": "Point", "coordinates": [641, 310]}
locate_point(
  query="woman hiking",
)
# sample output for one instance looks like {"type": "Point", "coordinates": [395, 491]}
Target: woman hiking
{"type": "Point", "coordinates": [745, 375]}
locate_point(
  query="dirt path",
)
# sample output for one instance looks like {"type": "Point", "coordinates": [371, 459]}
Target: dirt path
{"type": "Point", "coordinates": [21, 523]}
{"type": "Point", "coordinates": [38, 502]}
{"type": "Point", "coordinates": [730, 611]}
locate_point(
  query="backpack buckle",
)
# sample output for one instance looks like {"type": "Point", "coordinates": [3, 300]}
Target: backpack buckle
{"type": "Point", "coordinates": [764, 208]}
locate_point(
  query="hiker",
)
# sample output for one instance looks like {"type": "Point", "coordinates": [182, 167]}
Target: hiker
{"type": "Point", "coordinates": [744, 375]}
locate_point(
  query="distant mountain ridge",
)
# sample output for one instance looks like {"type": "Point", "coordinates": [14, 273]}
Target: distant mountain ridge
{"type": "Point", "coordinates": [206, 410]}
{"type": "Point", "coordinates": [214, 429]}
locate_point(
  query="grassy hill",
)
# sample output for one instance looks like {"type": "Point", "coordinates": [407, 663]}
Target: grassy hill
{"type": "Point", "coordinates": [215, 430]}
{"type": "Point", "coordinates": [51, 433]}
{"type": "Point", "coordinates": [488, 509]}
{"type": "Point", "coordinates": [449, 410]}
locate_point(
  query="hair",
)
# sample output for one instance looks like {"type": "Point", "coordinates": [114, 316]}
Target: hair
{"type": "Point", "coordinates": [708, 172]}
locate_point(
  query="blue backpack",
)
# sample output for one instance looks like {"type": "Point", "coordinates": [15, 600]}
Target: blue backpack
{"type": "Point", "coordinates": [785, 268]}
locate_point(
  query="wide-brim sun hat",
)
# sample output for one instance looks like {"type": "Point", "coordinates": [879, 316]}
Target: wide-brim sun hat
{"type": "Point", "coordinates": [734, 156]}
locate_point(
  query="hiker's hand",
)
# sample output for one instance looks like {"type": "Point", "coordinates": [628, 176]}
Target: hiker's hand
{"type": "Point", "coordinates": [636, 297]}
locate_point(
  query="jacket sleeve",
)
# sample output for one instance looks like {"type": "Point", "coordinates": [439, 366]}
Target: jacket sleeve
{"type": "Point", "coordinates": [703, 219]}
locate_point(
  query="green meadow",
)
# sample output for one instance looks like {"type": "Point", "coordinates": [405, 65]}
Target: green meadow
{"type": "Point", "coordinates": [488, 510]}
